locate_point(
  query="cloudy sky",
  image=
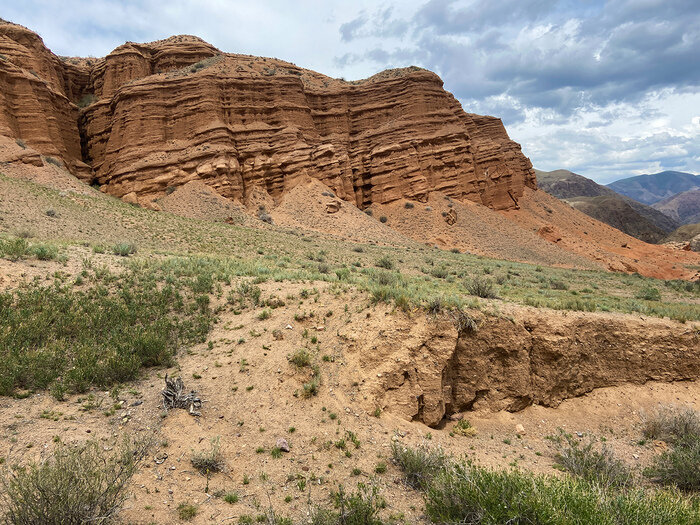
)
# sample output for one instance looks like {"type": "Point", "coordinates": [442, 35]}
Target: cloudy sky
{"type": "Point", "coordinates": [605, 89]}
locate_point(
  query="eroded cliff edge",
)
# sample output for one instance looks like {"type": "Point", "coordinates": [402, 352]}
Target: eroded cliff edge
{"type": "Point", "coordinates": [424, 369]}
{"type": "Point", "coordinates": [155, 116]}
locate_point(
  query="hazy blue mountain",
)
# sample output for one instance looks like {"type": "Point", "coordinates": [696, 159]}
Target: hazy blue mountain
{"type": "Point", "coordinates": [649, 189]}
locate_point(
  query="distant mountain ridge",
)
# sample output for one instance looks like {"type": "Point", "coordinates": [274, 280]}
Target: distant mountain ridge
{"type": "Point", "coordinates": [649, 189]}
{"type": "Point", "coordinates": [683, 207]}
{"type": "Point", "coordinates": [606, 205]}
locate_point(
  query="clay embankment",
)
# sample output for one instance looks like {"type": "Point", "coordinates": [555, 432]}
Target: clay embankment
{"type": "Point", "coordinates": [423, 370]}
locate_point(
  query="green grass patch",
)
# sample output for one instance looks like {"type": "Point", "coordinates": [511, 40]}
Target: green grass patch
{"type": "Point", "coordinates": [469, 494]}
{"type": "Point", "coordinates": [69, 340]}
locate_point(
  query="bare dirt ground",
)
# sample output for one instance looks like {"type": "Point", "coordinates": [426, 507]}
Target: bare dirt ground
{"type": "Point", "coordinates": [252, 398]}
{"type": "Point", "coordinates": [253, 395]}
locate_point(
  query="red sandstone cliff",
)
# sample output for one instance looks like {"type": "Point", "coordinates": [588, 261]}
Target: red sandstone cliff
{"type": "Point", "coordinates": [161, 114]}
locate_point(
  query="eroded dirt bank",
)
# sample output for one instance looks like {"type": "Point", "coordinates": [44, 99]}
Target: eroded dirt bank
{"type": "Point", "coordinates": [426, 371]}
{"type": "Point", "coordinates": [414, 368]}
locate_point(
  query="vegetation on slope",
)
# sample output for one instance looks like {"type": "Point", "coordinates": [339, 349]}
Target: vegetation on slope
{"type": "Point", "coordinates": [460, 491]}
{"type": "Point", "coordinates": [99, 328]}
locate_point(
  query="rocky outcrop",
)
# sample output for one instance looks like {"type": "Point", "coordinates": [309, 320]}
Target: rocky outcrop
{"type": "Point", "coordinates": [33, 105]}
{"type": "Point", "coordinates": [426, 371]}
{"type": "Point", "coordinates": [162, 114]}
{"type": "Point", "coordinates": [694, 244]}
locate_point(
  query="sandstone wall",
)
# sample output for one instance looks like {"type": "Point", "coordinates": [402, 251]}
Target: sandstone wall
{"type": "Point", "coordinates": [179, 110]}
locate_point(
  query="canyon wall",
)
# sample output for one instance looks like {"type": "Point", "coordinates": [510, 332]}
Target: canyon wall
{"type": "Point", "coordinates": [155, 116]}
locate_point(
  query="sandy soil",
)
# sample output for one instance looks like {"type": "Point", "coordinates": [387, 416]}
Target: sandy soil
{"type": "Point", "coordinates": [250, 394]}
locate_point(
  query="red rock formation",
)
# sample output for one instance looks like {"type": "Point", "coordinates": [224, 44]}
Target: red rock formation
{"type": "Point", "coordinates": [178, 110]}
{"type": "Point", "coordinates": [34, 107]}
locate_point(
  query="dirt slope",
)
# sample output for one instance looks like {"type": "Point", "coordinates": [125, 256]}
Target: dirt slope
{"type": "Point", "coordinates": [376, 359]}
{"type": "Point", "coordinates": [575, 232]}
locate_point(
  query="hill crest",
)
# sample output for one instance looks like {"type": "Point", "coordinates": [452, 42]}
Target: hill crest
{"type": "Point", "coordinates": [652, 188]}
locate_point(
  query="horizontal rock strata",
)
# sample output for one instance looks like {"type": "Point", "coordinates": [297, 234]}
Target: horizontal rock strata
{"type": "Point", "coordinates": [156, 116]}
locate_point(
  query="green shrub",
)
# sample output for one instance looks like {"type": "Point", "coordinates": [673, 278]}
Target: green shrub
{"type": "Point", "coordinates": [44, 252]}
{"type": "Point", "coordinates": [481, 287]}
{"type": "Point", "coordinates": [436, 305]}
{"type": "Point", "coordinates": [231, 497]}
{"type": "Point", "coordinates": [244, 293]}
{"type": "Point", "coordinates": [558, 284]}
{"type": "Point", "coordinates": [464, 428]}
{"type": "Point", "coordinates": [420, 465]}
{"type": "Point", "coordinates": [76, 485]}
{"type": "Point", "coordinates": [583, 460]}
{"type": "Point", "coordinates": [385, 262]}
{"type": "Point", "coordinates": [679, 466]}
{"type": "Point", "coordinates": [358, 508]}
{"type": "Point", "coordinates": [209, 461]}
{"type": "Point", "coordinates": [124, 249]}
{"type": "Point", "coordinates": [264, 216]}
{"type": "Point", "coordinates": [300, 358]}
{"type": "Point", "coordinates": [384, 278]}
{"type": "Point", "coordinates": [468, 494]}
{"type": "Point", "coordinates": [439, 273]}
{"type": "Point", "coordinates": [14, 249]}
{"type": "Point", "coordinates": [576, 304]}
{"type": "Point", "coordinates": [311, 387]}
{"type": "Point", "coordinates": [86, 100]}
{"type": "Point", "coordinates": [383, 219]}
{"type": "Point", "coordinates": [672, 424]}
{"type": "Point", "coordinates": [186, 511]}
{"type": "Point", "coordinates": [463, 321]}
{"type": "Point", "coordinates": [649, 293]}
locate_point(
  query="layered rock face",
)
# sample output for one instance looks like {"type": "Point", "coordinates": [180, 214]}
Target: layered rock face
{"type": "Point", "coordinates": [178, 110]}
{"type": "Point", "coordinates": [34, 106]}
